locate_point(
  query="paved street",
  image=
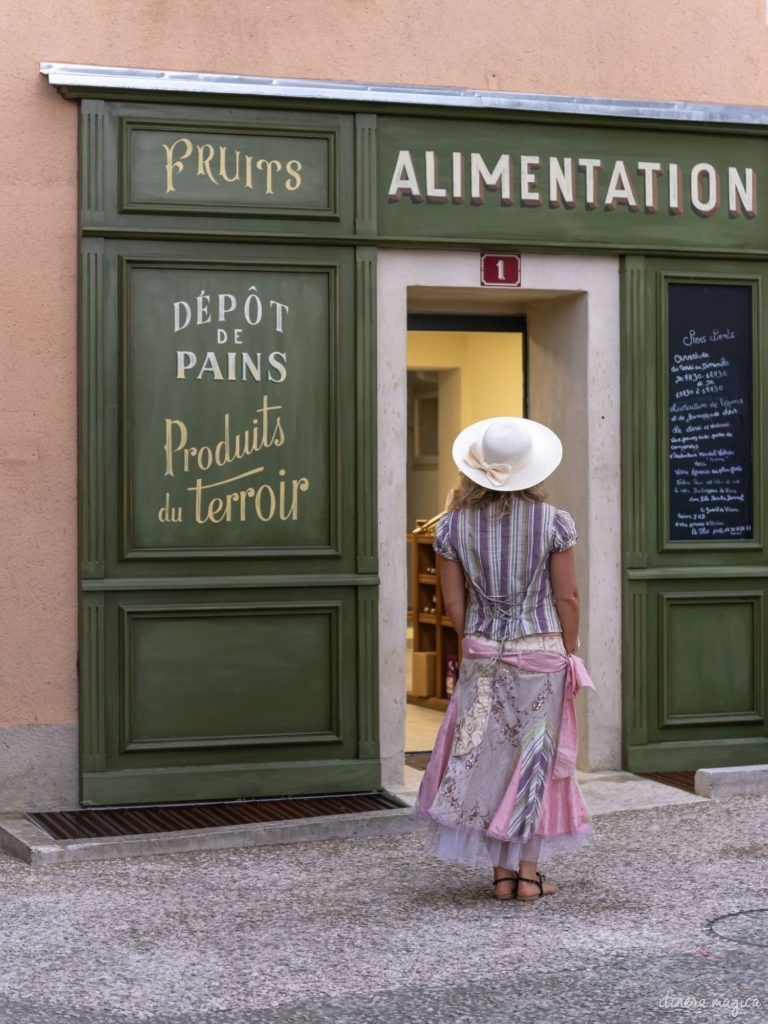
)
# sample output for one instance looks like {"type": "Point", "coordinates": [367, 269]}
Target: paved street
{"type": "Point", "coordinates": [352, 932]}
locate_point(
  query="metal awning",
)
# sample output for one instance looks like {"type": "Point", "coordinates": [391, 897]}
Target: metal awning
{"type": "Point", "coordinates": [72, 78]}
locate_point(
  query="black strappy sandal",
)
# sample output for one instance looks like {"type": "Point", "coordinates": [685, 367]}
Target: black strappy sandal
{"type": "Point", "coordinates": [539, 880]}
{"type": "Point", "coordinates": [513, 893]}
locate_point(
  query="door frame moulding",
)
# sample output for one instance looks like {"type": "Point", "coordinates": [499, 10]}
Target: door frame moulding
{"type": "Point", "coordinates": [592, 283]}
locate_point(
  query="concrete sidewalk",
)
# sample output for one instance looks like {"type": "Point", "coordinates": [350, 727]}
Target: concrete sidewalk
{"type": "Point", "coordinates": [372, 930]}
{"type": "Point", "coordinates": [604, 792]}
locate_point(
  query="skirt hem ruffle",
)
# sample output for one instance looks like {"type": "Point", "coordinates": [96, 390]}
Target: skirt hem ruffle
{"type": "Point", "coordinates": [474, 848]}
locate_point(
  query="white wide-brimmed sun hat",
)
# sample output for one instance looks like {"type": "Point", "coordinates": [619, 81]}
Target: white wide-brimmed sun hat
{"type": "Point", "coordinates": [507, 453]}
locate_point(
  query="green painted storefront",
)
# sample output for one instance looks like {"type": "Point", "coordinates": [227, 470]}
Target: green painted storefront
{"type": "Point", "coordinates": [228, 473]}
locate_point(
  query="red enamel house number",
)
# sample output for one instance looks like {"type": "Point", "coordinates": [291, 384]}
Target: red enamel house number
{"type": "Point", "coordinates": [500, 270]}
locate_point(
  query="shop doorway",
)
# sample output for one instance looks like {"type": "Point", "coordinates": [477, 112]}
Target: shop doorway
{"type": "Point", "coordinates": [571, 306]}
{"type": "Point", "coordinates": [461, 367]}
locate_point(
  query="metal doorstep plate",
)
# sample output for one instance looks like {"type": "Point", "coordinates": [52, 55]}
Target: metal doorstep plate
{"type": "Point", "coordinates": [418, 759]}
{"type": "Point", "coordinates": [153, 818]}
{"type": "Point", "coordinates": [680, 780]}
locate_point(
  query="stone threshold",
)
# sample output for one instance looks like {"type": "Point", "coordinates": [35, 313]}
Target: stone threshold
{"type": "Point", "coordinates": [21, 839]}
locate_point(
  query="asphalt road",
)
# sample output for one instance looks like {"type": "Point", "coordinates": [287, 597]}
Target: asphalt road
{"type": "Point", "coordinates": [658, 919]}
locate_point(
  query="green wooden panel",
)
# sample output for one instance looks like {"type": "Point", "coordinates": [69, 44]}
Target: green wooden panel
{"type": "Point", "coordinates": [712, 658]}
{"type": "Point", "coordinates": [216, 405]}
{"type": "Point", "coordinates": [695, 665]}
{"type": "Point", "coordinates": [283, 661]}
{"type": "Point", "coordinates": [181, 169]}
{"type": "Point", "coordinates": [688, 755]}
{"type": "Point", "coordinates": [230, 407]}
{"type": "Point", "coordinates": [195, 694]}
{"type": "Point", "coordinates": [243, 170]}
{"type": "Point", "coordinates": [695, 661]}
{"type": "Point", "coordinates": [92, 454]}
{"type": "Point", "coordinates": [569, 184]}
{"type": "Point", "coordinates": [218, 676]}
{"type": "Point", "coordinates": [206, 671]}
{"type": "Point", "coordinates": [92, 675]}
{"type": "Point", "coordinates": [187, 675]}
{"type": "Point", "coordinates": [228, 780]}
{"type": "Point", "coordinates": [692, 697]}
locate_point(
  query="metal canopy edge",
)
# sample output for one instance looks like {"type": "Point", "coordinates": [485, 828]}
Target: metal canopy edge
{"type": "Point", "coordinates": [71, 76]}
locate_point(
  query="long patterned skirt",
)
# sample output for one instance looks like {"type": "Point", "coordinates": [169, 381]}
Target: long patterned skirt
{"type": "Point", "coordinates": [490, 792]}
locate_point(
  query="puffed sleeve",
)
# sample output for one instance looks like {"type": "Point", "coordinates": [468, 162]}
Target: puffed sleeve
{"type": "Point", "coordinates": [442, 543]}
{"type": "Point", "coordinates": [564, 533]}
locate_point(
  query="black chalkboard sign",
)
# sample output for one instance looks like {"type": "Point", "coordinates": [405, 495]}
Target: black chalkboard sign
{"type": "Point", "coordinates": [710, 412]}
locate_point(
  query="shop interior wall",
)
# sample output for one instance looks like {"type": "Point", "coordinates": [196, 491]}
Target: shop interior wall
{"type": "Point", "coordinates": [480, 374]}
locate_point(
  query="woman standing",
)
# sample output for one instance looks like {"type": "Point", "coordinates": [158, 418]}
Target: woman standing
{"type": "Point", "coordinates": [500, 787]}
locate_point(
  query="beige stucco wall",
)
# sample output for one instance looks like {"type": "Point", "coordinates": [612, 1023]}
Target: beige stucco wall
{"type": "Point", "coordinates": [701, 50]}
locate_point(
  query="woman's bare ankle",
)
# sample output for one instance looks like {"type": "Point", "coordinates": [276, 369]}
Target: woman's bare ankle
{"type": "Point", "coordinates": [529, 883]}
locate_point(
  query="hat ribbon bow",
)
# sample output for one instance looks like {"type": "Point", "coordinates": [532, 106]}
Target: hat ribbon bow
{"type": "Point", "coordinates": [498, 473]}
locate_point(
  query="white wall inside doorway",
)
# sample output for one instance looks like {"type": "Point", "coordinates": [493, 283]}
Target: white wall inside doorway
{"type": "Point", "coordinates": [572, 306]}
{"type": "Point", "coordinates": [477, 374]}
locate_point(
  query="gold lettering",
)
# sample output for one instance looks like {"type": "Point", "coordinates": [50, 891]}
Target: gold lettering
{"type": "Point", "coordinates": [223, 165]}
{"type": "Point", "coordinates": [205, 154]}
{"type": "Point", "coordinates": [215, 513]}
{"type": "Point", "coordinates": [236, 498]}
{"type": "Point", "coordinates": [168, 447]}
{"type": "Point", "coordinates": [268, 165]}
{"type": "Point", "coordinates": [249, 492]}
{"type": "Point", "coordinates": [302, 484]}
{"type": "Point", "coordinates": [293, 167]}
{"type": "Point", "coordinates": [171, 165]}
{"type": "Point", "coordinates": [168, 513]}
{"type": "Point", "coordinates": [265, 489]}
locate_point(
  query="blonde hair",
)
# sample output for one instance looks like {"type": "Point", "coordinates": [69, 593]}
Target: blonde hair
{"type": "Point", "coordinates": [471, 495]}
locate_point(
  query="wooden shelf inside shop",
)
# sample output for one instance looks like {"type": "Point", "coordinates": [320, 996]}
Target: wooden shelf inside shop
{"type": "Point", "coordinates": [433, 633]}
{"type": "Point", "coordinates": [432, 703]}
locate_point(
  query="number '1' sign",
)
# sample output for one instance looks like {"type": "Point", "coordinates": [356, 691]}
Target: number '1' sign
{"type": "Point", "coordinates": [500, 270]}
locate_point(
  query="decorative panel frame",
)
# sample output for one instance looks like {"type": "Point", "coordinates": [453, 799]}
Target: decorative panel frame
{"type": "Point", "coordinates": [105, 542]}
{"type": "Point", "coordinates": [91, 414]}
{"type": "Point", "coordinates": [722, 276]}
{"type": "Point", "coordinates": [634, 404]}
{"type": "Point", "coordinates": [498, 176]}
{"type": "Point", "coordinates": [128, 550]}
{"type": "Point", "coordinates": [251, 133]}
{"type": "Point", "coordinates": [634, 667]}
{"type": "Point", "coordinates": [658, 572]}
{"type": "Point", "coordinates": [667, 601]}
{"type": "Point", "coordinates": [129, 742]}
{"type": "Point", "coordinates": [338, 580]}
{"type": "Point", "coordinates": [108, 206]}
{"type": "Point", "coordinates": [120, 766]}
{"type": "Point", "coordinates": [92, 677]}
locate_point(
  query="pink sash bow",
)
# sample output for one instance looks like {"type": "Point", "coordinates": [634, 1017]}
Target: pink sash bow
{"type": "Point", "coordinates": [546, 661]}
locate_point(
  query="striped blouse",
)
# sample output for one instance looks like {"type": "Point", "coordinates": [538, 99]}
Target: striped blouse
{"type": "Point", "coordinates": [506, 563]}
